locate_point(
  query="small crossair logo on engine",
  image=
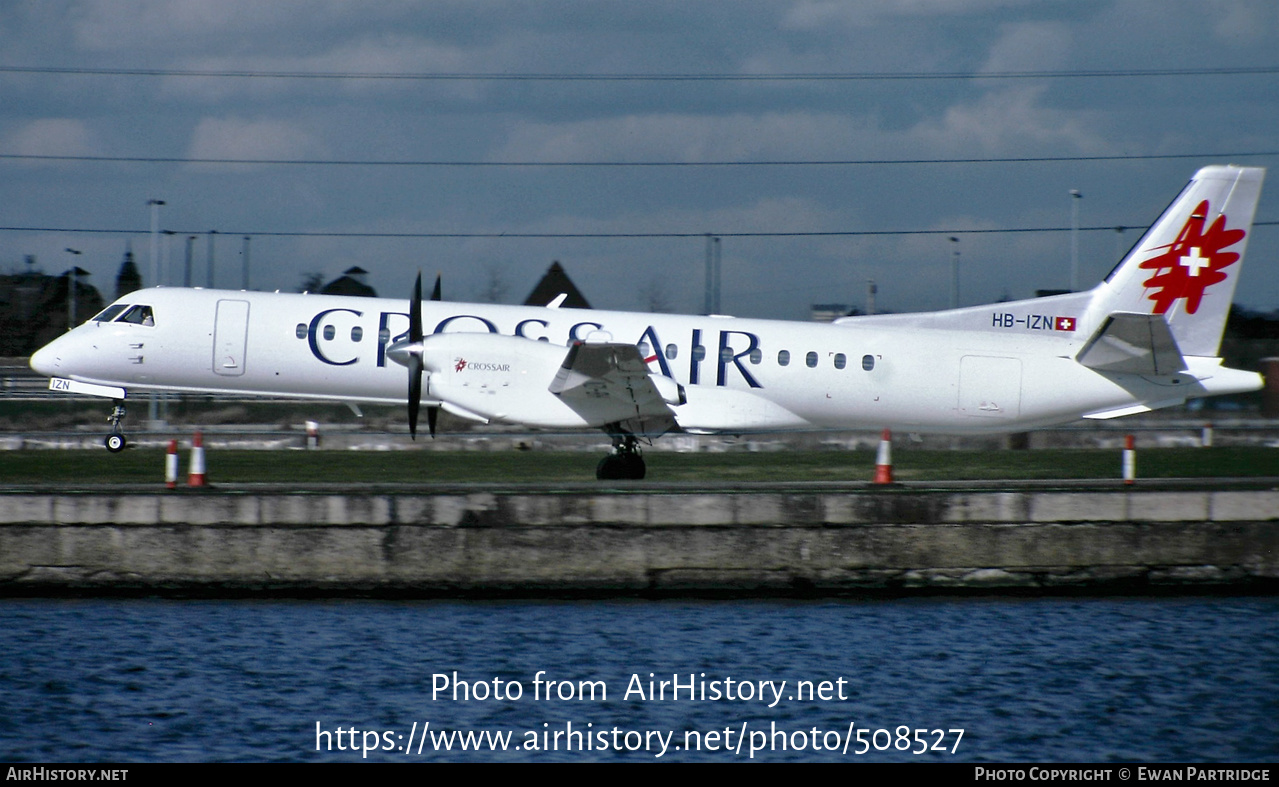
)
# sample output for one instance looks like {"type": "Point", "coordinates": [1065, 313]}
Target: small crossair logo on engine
{"type": "Point", "coordinates": [479, 366]}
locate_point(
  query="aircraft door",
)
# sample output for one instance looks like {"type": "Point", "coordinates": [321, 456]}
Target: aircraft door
{"type": "Point", "coordinates": [989, 387]}
{"type": "Point", "coordinates": [230, 337]}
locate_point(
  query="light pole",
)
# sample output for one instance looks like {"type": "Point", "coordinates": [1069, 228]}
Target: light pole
{"type": "Point", "coordinates": [212, 235]}
{"type": "Point", "coordinates": [165, 254]}
{"type": "Point", "coordinates": [713, 263]}
{"type": "Point", "coordinates": [186, 271]}
{"type": "Point", "coordinates": [954, 274]}
{"type": "Point", "coordinates": [155, 239]}
{"type": "Point", "coordinates": [246, 262]}
{"type": "Point", "coordinates": [71, 288]}
{"type": "Point", "coordinates": [1075, 196]}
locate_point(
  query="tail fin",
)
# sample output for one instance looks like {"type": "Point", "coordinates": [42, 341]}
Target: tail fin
{"type": "Point", "coordinates": [1187, 264]}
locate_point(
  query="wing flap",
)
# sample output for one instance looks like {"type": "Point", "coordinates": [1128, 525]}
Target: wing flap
{"type": "Point", "coordinates": [610, 383]}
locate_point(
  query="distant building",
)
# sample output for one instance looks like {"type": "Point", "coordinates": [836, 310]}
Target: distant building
{"type": "Point", "coordinates": [555, 283]}
{"type": "Point", "coordinates": [129, 278]}
{"type": "Point", "coordinates": [829, 312]}
{"type": "Point", "coordinates": [35, 308]}
{"type": "Point", "coordinates": [352, 282]}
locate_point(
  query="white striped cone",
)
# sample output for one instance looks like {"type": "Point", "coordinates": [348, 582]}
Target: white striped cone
{"type": "Point", "coordinates": [884, 459]}
{"type": "Point", "coordinates": [196, 477]}
{"type": "Point", "coordinates": [171, 466]}
{"type": "Point", "coordinates": [1130, 460]}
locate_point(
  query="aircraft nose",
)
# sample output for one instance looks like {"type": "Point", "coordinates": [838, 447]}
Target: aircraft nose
{"type": "Point", "coordinates": [47, 360]}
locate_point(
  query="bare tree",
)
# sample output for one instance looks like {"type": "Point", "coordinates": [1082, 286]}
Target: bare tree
{"type": "Point", "coordinates": [495, 288]}
{"type": "Point", "coordinates": [311, 282]}
{"type": "Point", "coordinates": [654, 297]}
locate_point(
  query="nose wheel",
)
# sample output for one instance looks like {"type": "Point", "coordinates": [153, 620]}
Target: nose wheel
{"type": "Point", "coordinates": [115, 442]}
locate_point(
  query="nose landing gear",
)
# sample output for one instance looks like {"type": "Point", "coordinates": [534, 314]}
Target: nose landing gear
{"type": "Point", "coordinates": [115, 442]}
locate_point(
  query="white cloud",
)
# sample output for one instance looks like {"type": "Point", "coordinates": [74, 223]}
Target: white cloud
{"type": "Point", "coordinates": [236, 138]}
{"type": "Point", "coordinates": [1030, 46]}
{"type": "Point", "coordinates": [51, 137]}
{"type": "Point", "coordinates": [1247, 21]}
{"type": "Point", "coordinates": [1010, 122]}
{"type": "Point", "coordinates": [688, 138]}
{"type": "Point", "coordinates": [820, 14]}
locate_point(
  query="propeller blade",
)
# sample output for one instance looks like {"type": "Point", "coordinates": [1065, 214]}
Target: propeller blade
{"type": "Point", "coordinates": [415, 358]}
{"type": "Point", "coordinates": [435, 293]}
{"type": "Point", "coordinates": [415, 396]}
{"type": "Point", "coordinates": [432, 414]}
{"type": "Point", "coordinates": [415, 311]}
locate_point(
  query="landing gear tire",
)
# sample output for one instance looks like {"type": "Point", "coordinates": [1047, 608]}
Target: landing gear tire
{"type": "Point", "coordinates": [620, 467]}
{"type": "Point", "coordinates": [624, 464]}
{"type": "Point", "coordinates": [115, 441]}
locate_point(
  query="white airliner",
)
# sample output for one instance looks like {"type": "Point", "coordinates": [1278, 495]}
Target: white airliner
{"type": "Point", "coordinates": [1146, 337]}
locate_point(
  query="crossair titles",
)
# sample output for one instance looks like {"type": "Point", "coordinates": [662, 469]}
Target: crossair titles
{"type": "Point", "coordinates": [327, 335]}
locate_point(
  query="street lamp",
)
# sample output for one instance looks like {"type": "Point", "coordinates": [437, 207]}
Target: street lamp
{"type": "Point", "coordinates": [186, 271]}
{"type": "Point", "coordinates": [247, 238]}
{"type": "Point", "coordinates": [1075, 196]}
{"type": "Point", "coordinates": [71, 288]}
{"type": "Point", "coordinates": [954, 274]}
{"type": "Point", "coordinates": [155, 239]}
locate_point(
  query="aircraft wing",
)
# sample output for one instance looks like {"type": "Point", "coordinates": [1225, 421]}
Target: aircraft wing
{"type": "Point", "coordinates": [610, 383]}
{"type": "Point", "coordinates": [1134, 343]}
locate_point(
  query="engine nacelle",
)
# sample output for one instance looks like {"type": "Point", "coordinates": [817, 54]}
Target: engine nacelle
{"type": "Point", "coordinates": [502, 378]}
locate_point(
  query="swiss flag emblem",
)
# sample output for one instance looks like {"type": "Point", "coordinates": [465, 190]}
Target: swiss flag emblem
{"type": "Point", "coordinates": [1063, 323]}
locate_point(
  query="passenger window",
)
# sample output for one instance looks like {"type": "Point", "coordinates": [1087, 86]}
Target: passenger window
{"type": "Point", "coordinates": [138, 315]}
{"type": "Point", "coordinates": [840, 361]}
{"type": "Point", "coordinates": [811, 360]}
{"type": "Point", "coordinates": [783, 357]}
{"type": "Point", "coordinates": [329, 333]}
{"type": "Point", "coordinates": [699, 352]}
{"type": "Point", "coordinates": [726, 354]}
{"type": "Point", "coordinates": [300, 331]}
{"type": "Point", "coordinates": [643, 349]}
{"type": "Point", "coordinates": [111, 312]}
{"type": "Point", "coordinates": [357, 333]}
{"type": "Point", "coordinates": [868, 362]}
{"type": "Point", "coordinates": [756, 356]}
{"type": "Point", "coordinates": [671, 352]}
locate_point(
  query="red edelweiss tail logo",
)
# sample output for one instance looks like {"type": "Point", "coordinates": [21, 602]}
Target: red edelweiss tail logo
{"type": "Point", "coordinates": [1195, 261]}
{"type": "Point", "coordinates": [460, 365]}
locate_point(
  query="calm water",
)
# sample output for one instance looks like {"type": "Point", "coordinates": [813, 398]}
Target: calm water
{"type": "Point", "coordinates": [1027, 680]}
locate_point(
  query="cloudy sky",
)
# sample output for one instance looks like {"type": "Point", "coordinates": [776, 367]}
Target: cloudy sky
{"type": "Point", "coordinates": [492, 161]}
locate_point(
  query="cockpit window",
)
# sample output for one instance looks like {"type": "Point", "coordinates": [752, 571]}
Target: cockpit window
{"type": "Point", "coordinates": [108, 314]}
{"type": "Point", "coordinates": [139, 315]}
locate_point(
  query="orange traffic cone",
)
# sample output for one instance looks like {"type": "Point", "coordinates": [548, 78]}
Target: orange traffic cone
{"type": "Point", "coordinates": [884, 459]}
{"type": "Point", "coordinates": [196, 476]}
{"type": "Point", "coordinates": [1130, 460]}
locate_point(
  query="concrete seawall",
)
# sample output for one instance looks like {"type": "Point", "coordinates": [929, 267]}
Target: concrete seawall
{"type": "Point", "coordinates": [565, 542]}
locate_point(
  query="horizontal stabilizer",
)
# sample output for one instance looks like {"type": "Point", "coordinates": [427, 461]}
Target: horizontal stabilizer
{"type": "Point", "coordinates": [1134, 344]}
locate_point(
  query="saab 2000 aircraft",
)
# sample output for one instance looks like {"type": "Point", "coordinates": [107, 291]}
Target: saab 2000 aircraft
{"type": "Point", "coordinates": [1146, 337]}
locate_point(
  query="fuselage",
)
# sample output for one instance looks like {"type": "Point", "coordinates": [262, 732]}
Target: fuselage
{"type": "Point", "coordinates": [1006, 367]}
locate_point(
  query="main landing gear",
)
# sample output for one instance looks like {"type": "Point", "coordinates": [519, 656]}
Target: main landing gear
{"type": "Point", "coordinates": [115, 442]}
{"type": "Point", "coordinates": [625, 463]}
